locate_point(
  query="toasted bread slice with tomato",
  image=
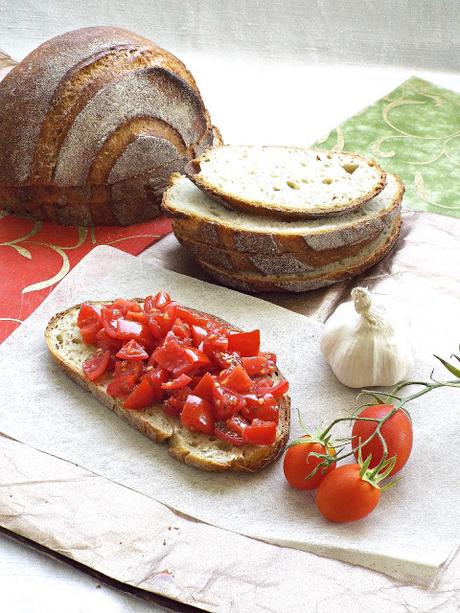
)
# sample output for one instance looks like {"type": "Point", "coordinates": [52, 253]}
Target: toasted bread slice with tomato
{"type": "Point", "coordinates": [195, 449]}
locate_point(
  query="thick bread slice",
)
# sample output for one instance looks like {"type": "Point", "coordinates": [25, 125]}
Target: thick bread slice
{"type": "Point", "coordinates": [322, 277]}
{"type": "Point", "coordinates": [290, 182]}
{"type": "Point", "coordinates": [197, 217]}
{"type": "Point", "coordinates": [195, 449]}
{"type": "Point", "coordinates": [299, 262]}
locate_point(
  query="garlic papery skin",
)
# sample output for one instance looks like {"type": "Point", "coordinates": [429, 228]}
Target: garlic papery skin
{"type": "Point", "coordinates": [367, 343]}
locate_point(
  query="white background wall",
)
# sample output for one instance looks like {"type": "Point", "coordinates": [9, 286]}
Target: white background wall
{"type": "Point", "coordinates": [418, 33]}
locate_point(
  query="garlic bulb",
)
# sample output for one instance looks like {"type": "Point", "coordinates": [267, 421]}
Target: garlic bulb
{"type": "Point", "coordinates": [367, 344]}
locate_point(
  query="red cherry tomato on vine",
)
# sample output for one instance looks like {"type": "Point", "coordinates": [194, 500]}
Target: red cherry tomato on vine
{"type": "Point", "coordinates": [344, 496]}
{"type": "Point", "coordinates": [397, 432]}
{"type": "Point", "coordinates": [298, 464]}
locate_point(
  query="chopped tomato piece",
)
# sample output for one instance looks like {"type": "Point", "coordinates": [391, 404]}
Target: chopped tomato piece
{"type": "Point", "coordinates": [126, 305]}
{"type": "Point", "coordinates": [237, 423]}
{"type": "Point", "coordinates": [97, 364]}
{"type": "Point", "coordinates": [267, 409]}
{"type": "Point", "coordinates": [172, 356]}
{"type": "Point", "coordinates": [262, 386]}
{"type": "Point", "coordinates": [142, 396]}
{"type": "Point", "coordinates": [159, 301]}
{"type": "Point", "coordinates": [260, 432]}
{"type": "Point", "coordinates": [198, 334]}
{"type": "Point", "coordinates": [258, 365]}
{"type": "Point", "coordinates": [121, 387]}
{"type": "Point", "coordinates": [175, 403]}
{"type": "Point", "coordinates": [175, 384]}
{"type": "Point", "coordinates": [197, 359]}
{"type": "Point", "coordinates": [138, 316]}
{"type": "Point", "coordinates": [128, 367]}
{"type": "Point", "coordinates": [236, 378]}
{"type": "Point", "coordinates": [157, 376]}
{"type": "Point", "coordinates": [214, 343]}
{"type": "Point", "coordinates": [197, 415]}
{"type": "Point", "coordinates": [188, 316]}
{"type": "Point", "coordinates": [224, 360]}
{"type": "Point", "coordinates": [245, 343]}
{"type": "Point", "coordinates": [132, 351]}
{"type": "Point", "coordinates": [104, 341]}
{"type": "Point", "coordinates": [109, 313]}
{"type": "Point", "coordinates": [204, 389]}
{"type": "Point", "coordinates": [181, 330]}
{"type": "Point", "coordinates": [89, 332]}
{"type": "Point", "coordinates": [222, 431]}
{"type": "Point", "coordinates": [88, 314]}
{"type": "Point", "coordinates": [226, 402]}
{"type": "Point", "coordinates": [279, 389]}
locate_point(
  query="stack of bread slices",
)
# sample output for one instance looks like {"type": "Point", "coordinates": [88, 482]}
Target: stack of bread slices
{"type": "Point", "coordinates": [284, 218]}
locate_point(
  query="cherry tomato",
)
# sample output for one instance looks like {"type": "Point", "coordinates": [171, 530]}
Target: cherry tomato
{"type": "Point", "coordinates": [128, 367]}
{"type": "Point", "coordinates": [245, 343]}
{"type": "Point", "coordinates": [205, 387]}
{"type": "Point", "coordinates": [132, 351]}
{"type": "Point", "coordinates": [97, 364]}
{"type": "Point", "coordinates": [397, 432]}
{"type": "Point", "coordinates": [344, 496]}
{"type": "Point", "coordinates": [298, 464]}
{"type": "Point", "coordinates": [175, 384]}
{"type": "Point", "coordinates": [223, 431]}
{"type": "Point", "coordinates": [260, 432]}
{"type": "Point", "coordinates": [197, 415]}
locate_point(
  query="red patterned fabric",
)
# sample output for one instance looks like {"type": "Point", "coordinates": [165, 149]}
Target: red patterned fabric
{"type": "Point", "coordinates": [36, 255]}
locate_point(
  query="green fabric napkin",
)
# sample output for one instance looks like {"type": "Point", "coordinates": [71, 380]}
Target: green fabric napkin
{"type": "Point", "coordinates": [414, 132]}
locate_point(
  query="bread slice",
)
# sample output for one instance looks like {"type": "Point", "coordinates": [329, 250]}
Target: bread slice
{"type": "Point", "coordinates": [197, 217]}
{"type": "Point", "coordinates": [195, 449]}
{"type": "Point", "coordinates": [332, 273]}
{"type": "Point", "coordinates": [286, 263]}
{"type": "Point", "coordinates": [290, 182]}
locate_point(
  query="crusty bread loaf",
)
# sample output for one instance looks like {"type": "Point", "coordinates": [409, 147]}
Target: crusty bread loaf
{"type": "Point", "coordinates": [195, 449]}
{"type": "Point", "coordinates": [321, 277]}
{"type": "Point", "coordinates": [289, 182]}
{"type": "Point", "coordinates": [90, 116]}
{"type": "Point", "coordinates": [196, 217]}
{"type": "Point", "coordinates": [296, 263]}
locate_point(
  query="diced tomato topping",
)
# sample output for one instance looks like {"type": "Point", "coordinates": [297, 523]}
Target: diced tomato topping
{"type": "Point", "coordinates": [175, 384]}
{"type": "Point", "coordinates": [159, 301]}
{"type": "Point", "coordinates": [279, 389]}
{"type": "Point", "coordinates": [214, 343]}
{"type": "Point", "coordinates": [258, 365]}
{"type": "Point", "coordinates": [128, 367]}
{"type": "Point", "coordinates": [247, 344]}
{"type": "Point", "coordinates": [204, 389]}
{"type": "Point", "coordinates": [88, 314]}
{"type": "Point", "coordinates": [89, 332]}
{"type": "Point", "coordinates": [197, 415]}
{"type": "Point", "coordinates": [126, 305]}
{"type": "Point", "coordinates": [260, 432]}
{"type": "Point", "coordinates": [132, 351]}
{"type": "Point", "coordinates": [236, 378]}
{"type": "Point", "coordinates": [237, 423]}
{"type": "Point", "coordinates": [226, 402]}
{"type": "Point", "coordinates": [213, 379]}
{"type": "Point", "coordinates": [175, 403]}
{"type": "Point", "coordinates": [104, 341]}
{"type": "Point", "coordinates": [96, 365]}
{"type": "Point", "coordinates": [121, 387]}
{"type": "Point", "coordinates": [142, 396]}
{"type": "Point", "coordinates": [225, 433]}
{"type": "Point", "coordinates": [138, 316]}
{"type": "Point", "coordinates": [198, 334]}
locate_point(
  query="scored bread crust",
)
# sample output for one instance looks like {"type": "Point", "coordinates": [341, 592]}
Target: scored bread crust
{"type": "Point", "coordinates": [87, 112]}
{"type": "Point", "coordinates": [219, 232]}
{"type": "Point", "coordinates": [257, 283]}
{"type": "Point", "coordinates": [194, 449]}
{"type": "Point", "coordinates": [308, 210]}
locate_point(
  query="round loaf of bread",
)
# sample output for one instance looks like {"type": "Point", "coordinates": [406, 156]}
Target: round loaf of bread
{"type": "Point", "coordinates": [92, 124]}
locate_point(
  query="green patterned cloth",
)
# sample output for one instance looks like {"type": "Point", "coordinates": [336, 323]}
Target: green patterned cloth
{"type": "Point", "coordinates": [414, 132]}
